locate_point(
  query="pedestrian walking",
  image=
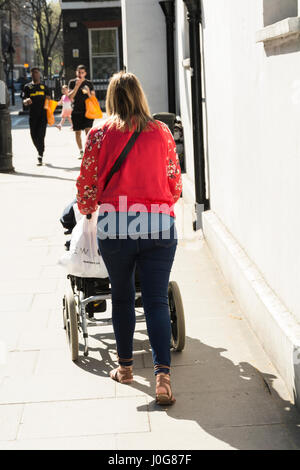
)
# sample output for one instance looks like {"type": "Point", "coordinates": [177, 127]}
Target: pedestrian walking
{"type": "Point", "coordinates": [80, 89]}
{"type": "Point", "coordinates": [136, 221]}
{"type": "Point", "coordinates": [66, 104]}
{"type": "Point", "coordinates": [35, 94]}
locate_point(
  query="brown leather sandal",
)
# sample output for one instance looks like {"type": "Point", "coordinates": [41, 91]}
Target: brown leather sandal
{"type": "Point", "coordinates": [164, 394]}
{"type": "Point", "coordinates": [122, 374]}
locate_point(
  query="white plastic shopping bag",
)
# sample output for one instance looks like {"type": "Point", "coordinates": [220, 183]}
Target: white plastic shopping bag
{"type": "Point", "coordinates": [83, 259]}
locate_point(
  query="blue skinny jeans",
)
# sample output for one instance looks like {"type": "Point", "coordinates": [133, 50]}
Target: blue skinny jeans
{"type": "Point", "coordinates": [154, 259]}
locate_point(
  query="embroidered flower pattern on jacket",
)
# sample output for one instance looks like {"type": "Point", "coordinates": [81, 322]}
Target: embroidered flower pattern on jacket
{"type": "Point", "coordinates": [95, 139]}
{"type": "Point", "coordinates": [87, 180]}
{"type": "Point", "coordinates": [88, 161]}
{"type": "Point", "coordinates": [173, 166]}
{"type": "Point", "coordinates": [178, 187]}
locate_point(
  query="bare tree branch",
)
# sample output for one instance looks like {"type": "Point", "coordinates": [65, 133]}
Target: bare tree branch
{"type": "Point", "coordinates": [46, 18]}
{"type": "Point", "coordinates": [5, 4]}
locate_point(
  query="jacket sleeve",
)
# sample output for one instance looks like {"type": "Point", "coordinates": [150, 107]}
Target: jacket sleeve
{"type": "Point", "coordinates": [87, 180]}
{"type": "Point", "coordinates": [173, 167]}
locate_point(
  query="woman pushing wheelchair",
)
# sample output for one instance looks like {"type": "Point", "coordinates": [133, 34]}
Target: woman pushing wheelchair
{"type": "Point", "coordinates": [131, 170]}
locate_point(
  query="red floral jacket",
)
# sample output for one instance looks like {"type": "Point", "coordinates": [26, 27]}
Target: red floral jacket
{"type": "Point", "coordinates": [149, 179]}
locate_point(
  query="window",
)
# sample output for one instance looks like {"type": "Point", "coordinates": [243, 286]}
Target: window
{"type": "Point", "coordinates": [104, 52]}
{"type": "Point", "coordinates": [277, 10]}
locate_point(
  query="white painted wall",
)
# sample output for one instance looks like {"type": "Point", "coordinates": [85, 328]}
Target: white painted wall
{"type": "Point", "coordinates": [253, 105]}
{"type": "Point", "coordinates": [145, 50]}
{"type": "Point", "coordinates": [184, 101]}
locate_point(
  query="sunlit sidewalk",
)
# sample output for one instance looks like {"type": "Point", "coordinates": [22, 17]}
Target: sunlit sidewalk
{"type": "Point", "coordinates": [228, 394]}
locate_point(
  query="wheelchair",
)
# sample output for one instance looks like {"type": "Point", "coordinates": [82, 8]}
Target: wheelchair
{"type": "Point", "coordinates": [86, 296]}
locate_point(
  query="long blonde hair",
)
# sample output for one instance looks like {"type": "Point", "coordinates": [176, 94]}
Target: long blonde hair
{"type": "Point", "coordinates": [126, 103]}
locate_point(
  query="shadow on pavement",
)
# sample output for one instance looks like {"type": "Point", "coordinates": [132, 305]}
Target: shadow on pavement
{"type": "Point", "coordinates": [75, 168]}
{"type": "Point", "coordinates": [36, 175]}
{"type": "Point", "coordinates": [235, 403]}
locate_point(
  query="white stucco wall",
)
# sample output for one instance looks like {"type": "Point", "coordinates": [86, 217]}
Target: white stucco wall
{"type": "Point", "coordinates": [253, 105]}
{"type": "Point", "coordinates": [184, 101]}
{"type": "Point", "coordinates": [145, 50]}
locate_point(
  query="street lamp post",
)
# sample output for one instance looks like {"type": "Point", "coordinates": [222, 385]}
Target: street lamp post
{"type": "Point", "coordinates": [6, 165]}
{"type": "Point", "coordinates": [11, 55]}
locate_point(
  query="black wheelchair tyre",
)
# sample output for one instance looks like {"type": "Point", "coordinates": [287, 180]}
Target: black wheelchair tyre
{"type": "Point", "coordinates": [71, 323]}
{"type": "Point", "coordinates": [64, 313]}
{"type": "Point", "coordinates": [177, 317]}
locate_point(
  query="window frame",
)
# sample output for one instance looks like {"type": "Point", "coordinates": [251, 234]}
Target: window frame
{"type": "Point", "coordinates": [117, 55]}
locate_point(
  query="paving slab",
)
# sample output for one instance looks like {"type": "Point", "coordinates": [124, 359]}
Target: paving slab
{"type": "Point", "coordinates": [48, 301]}
{"type": "Point", "coordinates": [52, 272]}
{"type": "Point", "coordinates": [41, 338]}
{"type": "Point", "coordinates": [216, 307]}
{"type": "Point", "coordinates": [19, 364]}
{"type": "Point", "coordinates": [218, 409]}
{"type": "Point", "coordinates": [26, 286]}
{"type": "Point", "coordinates": [14, 302]}
{"type": "Point", "coordinates": [24, 271]}
{"type": "Point", "coordinates": [230, 336]}
{"type": "Point", "coordinates": [195, 439]}
{"type": "Point", "coordinates": [275, 437]}
{"type": "Point", "coordinates": [100, 442]}
{"type": "Point", "coordinates": [58, 362]}
{"type": "Point", "coordinates": [36, 320]}
{"type": "Point", "coordinates": [10, 417]}
{"type": "Point", "coordinates": [84, 418]}
{"type": "Point", "coordinates": [41, 388]}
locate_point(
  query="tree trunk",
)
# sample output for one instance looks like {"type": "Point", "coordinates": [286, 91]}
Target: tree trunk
{"type": "Point", "coordinates": [46, 67]}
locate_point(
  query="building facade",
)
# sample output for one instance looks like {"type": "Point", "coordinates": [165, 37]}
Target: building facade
{"type": "Point", "coordinates": [22, 43]}
{"type": "Point", "coordinates": [241, 129]}
{"type": "Point", "coordinates": [93, 37]}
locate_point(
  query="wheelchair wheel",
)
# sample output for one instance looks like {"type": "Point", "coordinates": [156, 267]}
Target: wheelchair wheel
{"type": "Point", "coordinates": [71, 323]}
{"type": "Point", "coordinates": [64, 313]}
{"type": "Point", "coordinates": [177, 317]}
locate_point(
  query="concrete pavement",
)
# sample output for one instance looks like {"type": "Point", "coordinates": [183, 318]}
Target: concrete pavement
{"type": "Point", "coordinates": [229, 396]}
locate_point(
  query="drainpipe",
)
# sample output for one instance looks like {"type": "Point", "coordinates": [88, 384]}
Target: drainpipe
{"type": "Point", "coordinates": [168, 8]}
{"type": "Point", "coordinates": [194, 20]}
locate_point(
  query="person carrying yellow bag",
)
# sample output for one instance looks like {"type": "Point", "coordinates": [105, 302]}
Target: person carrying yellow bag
{"type": "Point", "coordinates": [50, 106]}
{"type": "Point", "coordinates": [34, 95]}
{"type": "Point", "coordinates": [93, 110]}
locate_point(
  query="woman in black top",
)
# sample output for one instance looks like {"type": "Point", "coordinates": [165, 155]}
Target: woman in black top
{"type": "Point", "coordinates": [80, 90]}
